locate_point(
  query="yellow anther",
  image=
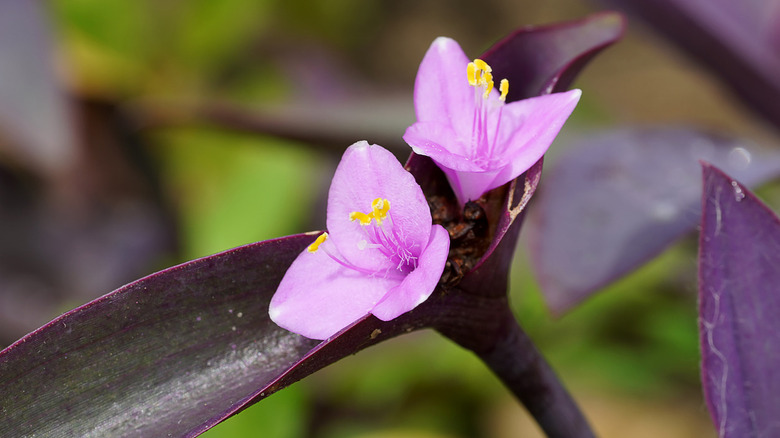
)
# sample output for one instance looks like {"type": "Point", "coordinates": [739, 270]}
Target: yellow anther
{"type": "Point", "coordinates": [471, 74]}
{"type": "Point", "coordinates": [364, 219]}
{"type": "Point", "coordinates": [487, 80]}
{"type": "Point", "coordinates": [482, 65]}
{"type": "Point", "coordinates": [380, 208]}
{"type": "Point", "coordinates": [316, 245]}
{"type": "Point", "coordinates": [480, 74]}
{"type": "Point", "coordinates": [504, 87]}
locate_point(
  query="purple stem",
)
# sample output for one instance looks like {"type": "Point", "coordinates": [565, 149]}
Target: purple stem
{"type": "Point", "coordinates": [515, 360]}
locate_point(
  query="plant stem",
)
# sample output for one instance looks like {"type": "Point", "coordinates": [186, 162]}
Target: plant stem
{"type": "Point", "coordinates": [516, 361]}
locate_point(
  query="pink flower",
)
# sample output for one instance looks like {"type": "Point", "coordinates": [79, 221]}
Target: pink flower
{"type": "Point", "coordinates": [464, 125]}
{"type": "Point", "coordinates": [382, 254]}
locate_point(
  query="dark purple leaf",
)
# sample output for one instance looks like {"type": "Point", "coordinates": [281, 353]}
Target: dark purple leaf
{"type": "Point", "coordinates": [161, 356]}
{"type": "Point", "coordinates": [545, 59]}
{"type": "Point", "coordinates": [738, 40]}
{"type": "Point", "coordinates": [34, 113]}
{"type": "Point", "coordinates": [614, 201]}
{"type": "Point", "coordinates": [739, 300]}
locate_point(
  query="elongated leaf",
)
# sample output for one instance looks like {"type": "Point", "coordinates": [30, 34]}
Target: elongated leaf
{"type": "Point", "coordinates": [739, 300]}
{"type": "Point", "coordinates": [738, 40]}
{"type": "Point", "coordinates": [614, 201]}
{"type": "Point", "coordinates": [162, 355]}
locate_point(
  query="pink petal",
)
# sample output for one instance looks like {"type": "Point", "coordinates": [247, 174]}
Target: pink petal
{"type": "Point", "coordinates": [469, 186]}
{"type": "Point", "coordinates": [469, 180]}
{"type": "Point", "coordinates": [318, 297]}
{"type": "Point", "coordinates": [528, 128]}
{"type": "Point", "coordinates": [420, 283]}
{"type": "Point", "coordinates": [442, 144]}
{"type": "Point", "coordinates": [441, 90]}
{"type": "Point", "coordinates": [367, 172]}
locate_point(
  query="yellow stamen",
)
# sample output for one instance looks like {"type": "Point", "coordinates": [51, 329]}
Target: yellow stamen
{"type": "Point", "coordinates": [487, 80]}
{"type": "Point", "coordinates": [471, 74]}
{"type": "Point", "coordinates": [316, 245]}
{"type": "Point", "coordinates": [380, 208]}
{"type": "Point", "coordinates": [504, 87]}
{"type": "Point", "coordinates": [364, 219]}
{"type": "Point", "coordinates": [479, 74]}
{"type": "Point", "coordinates": [482, 65]}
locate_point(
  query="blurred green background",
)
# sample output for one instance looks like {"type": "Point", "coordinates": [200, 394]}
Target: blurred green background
{"type": "Point", "coordinates": [187, 70]}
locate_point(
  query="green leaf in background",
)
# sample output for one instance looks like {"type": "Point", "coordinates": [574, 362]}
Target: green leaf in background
{"type": "Point", "coordinates": [283, 415]}
{"type": "Point", "coordinates": [211, 34]}
{"type": "Point", "coordinates": [232, 189]}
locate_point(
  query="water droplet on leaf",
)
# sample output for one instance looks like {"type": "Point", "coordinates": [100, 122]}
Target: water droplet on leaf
{"type": "Point", "coordinates": [739, 194]}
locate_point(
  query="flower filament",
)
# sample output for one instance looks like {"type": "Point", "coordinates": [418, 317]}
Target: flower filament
{"type": "Point", "coordinates": [479, 75]}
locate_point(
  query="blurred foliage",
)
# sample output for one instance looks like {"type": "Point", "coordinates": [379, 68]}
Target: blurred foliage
{"type": "Point", "coordinates": [639, 335]}
{"type": "Point", "coordinates": [637, 338]}
{"type": "Point", "coordinates": [228, 187]}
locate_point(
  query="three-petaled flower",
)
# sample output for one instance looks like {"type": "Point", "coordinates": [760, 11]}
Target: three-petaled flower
{"type": "Point", "coordinates": [381, 254]}
{"type": "Point", "coordinates": [465, 126]}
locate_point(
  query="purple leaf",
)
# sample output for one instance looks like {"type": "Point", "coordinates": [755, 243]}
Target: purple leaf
{"type": "Point", "coordinates": [546, 59]}
{"type": "Point", "coordinates": [173, 353]}
{"type": "Point", "coordinates": [738, 40]}
{"type": "Point", "coordinates": [738, 307]}
{"type": "Point", "coordinates": [614, 201]}
{"type": "Point", "coordinates": [163, 355]}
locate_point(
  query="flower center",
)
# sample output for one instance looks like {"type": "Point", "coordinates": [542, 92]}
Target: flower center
{"type": "Point", "coordinates": [484, 129]}
{"type": "Point", "coordinates": [380, 234]}
{"type": "Point", "coordinates": [384, 236]}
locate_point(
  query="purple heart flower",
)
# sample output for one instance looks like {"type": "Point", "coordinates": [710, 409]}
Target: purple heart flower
{"type": "Point", "coordinates": [465, 126]}
{"type": "Point", "coordinates": [382, 254]}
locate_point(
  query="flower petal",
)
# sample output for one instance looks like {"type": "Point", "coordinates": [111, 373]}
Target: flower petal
{"type": "Point", "coordinates": [442, 144]}
{"type": "Point", "coordinates": [441, 91]}
{"type": "Point", "coordinates": [367, 172]}
{"type": "Point", "coordinates": [469, 186]}
{"type": "Point", "coordinates": [527, 130]}
{"type": "Point", "coordinates": [420, 283]}
{"type": "Point", "coordinates": [469, 179]}
{"type": "Point", "coordinates": [318, 297]}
